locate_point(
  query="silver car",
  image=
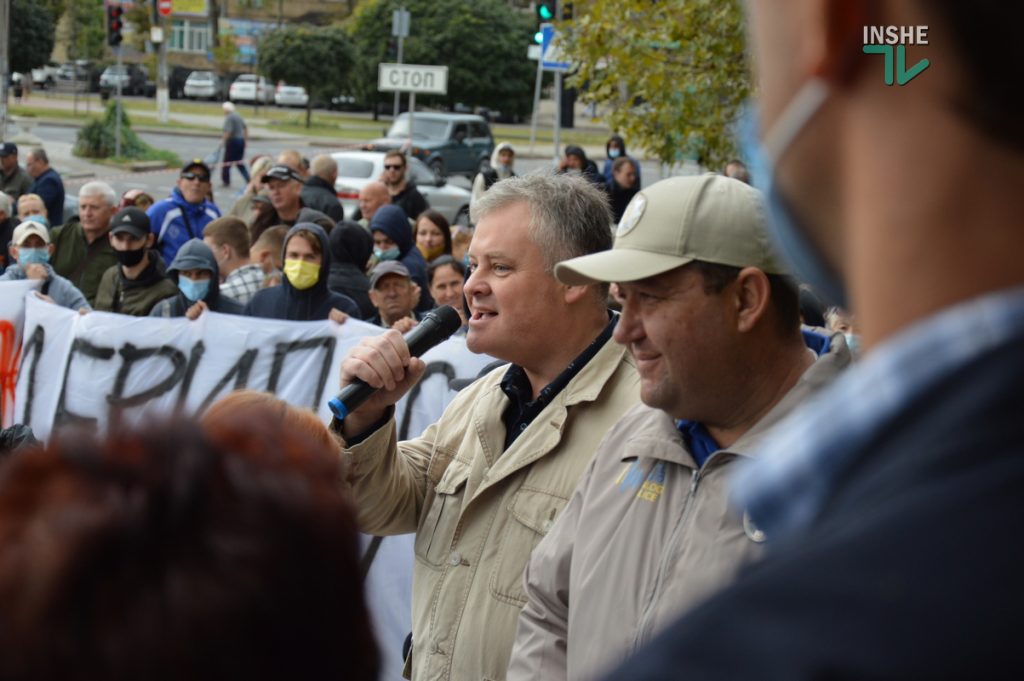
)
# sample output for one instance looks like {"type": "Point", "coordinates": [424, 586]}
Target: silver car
{"type": "Point", "coordinates": [357, 168]}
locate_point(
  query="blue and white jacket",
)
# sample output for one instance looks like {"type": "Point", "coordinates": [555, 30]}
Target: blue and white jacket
{"type": "Point", "coordinates": [174, 221]}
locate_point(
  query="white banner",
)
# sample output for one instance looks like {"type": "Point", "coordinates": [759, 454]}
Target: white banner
{"type": "Point", "coordinates": [100, 368]}
{"type": "Point", "coordinates": [12, 322]}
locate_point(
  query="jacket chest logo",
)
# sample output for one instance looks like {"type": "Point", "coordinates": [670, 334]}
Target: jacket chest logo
{"type": "Point", "coordinates": [646, 486]}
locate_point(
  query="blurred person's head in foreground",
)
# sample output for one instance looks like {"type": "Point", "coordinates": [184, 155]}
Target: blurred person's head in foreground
{"type": "Point", "coordinates": [226, 552]}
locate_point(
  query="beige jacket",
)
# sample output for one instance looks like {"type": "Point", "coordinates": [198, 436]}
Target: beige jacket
{"type": "Point", "coordinates": [646, 536]}
{"type": "Point", "coordinates": [478, 512]}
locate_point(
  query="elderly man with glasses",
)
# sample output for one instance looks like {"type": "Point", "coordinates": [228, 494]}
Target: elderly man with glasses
{"type": "Point", "coordinates": [187, 211]}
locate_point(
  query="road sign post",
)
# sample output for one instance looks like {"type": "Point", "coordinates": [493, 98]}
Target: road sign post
{"type": "Point", "coordinates": [414, 79]}
{"type": "Point", "coordinates": [552, 59]}
{"type": "Point", "coordinates": [400, 20]}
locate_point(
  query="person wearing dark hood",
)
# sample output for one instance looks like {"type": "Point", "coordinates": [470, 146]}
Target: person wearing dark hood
{"type": "Point", "coordinates": [303, 294]}
{"type": "Point", "coordinates": [197, 275]}
{"type": "Point", "coordinates": [138, 282]}
{"type": "Point", "coordinates": [351, 248]}
{"type": "Point", "coordinates": [392, 240]}
{"type": "Point", "coordinates": [615, 148]}
{"type": "Point", "coordinates": [576, 162]}
{"type": "Point", "coordinates": [186, 212]}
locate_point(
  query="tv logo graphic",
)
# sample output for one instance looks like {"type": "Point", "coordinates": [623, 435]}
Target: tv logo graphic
{"type": "Point", "coordinates": [892, 41]}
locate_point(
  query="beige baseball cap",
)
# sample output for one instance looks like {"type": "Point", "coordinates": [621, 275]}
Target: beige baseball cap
{"type": "Point", "coordinates": [27, 229]}
{"type": "Point", "coordinates": [711, 218]}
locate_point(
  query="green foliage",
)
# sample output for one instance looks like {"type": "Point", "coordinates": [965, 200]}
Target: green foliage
{"type": "Point", "coordinates": [97, 139]}
{"type": "Point", "coordinates": [483, 44]}
{"type": "Point", "coordinates": [32, 35]}
{"type": "Point", "coordinates": [139, 16]}
{"type": "Point", "coordinates": [672, 75]}
{"type": "Point", "coordinates": [87, 38]}
{"type": "Point", "coordinates": [317, 58]}
{"type": "Point", "coordinates": [225, 55]}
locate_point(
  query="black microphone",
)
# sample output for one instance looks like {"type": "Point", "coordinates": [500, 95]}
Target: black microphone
{"type": "Point", "coordinates": [436, 326]}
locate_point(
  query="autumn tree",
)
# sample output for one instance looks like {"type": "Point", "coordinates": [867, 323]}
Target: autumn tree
{"type": "Point", "coordinates": [671, 75]}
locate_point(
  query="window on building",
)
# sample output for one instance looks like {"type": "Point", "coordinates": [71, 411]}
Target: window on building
{"type": "Point", "coordinates": [189, 35]}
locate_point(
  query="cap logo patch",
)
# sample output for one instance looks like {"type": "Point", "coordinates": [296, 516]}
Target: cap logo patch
{"type": "Point", "coordinates": [630, 218]}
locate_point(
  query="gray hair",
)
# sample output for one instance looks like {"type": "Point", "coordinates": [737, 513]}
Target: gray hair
{"type": "Point", "coordinates": [569, 216]}
{"type": "Point", "coordinates": [323, 166]}
{"type": "Point", "coordinates": [228, 107]}
{"type": "Point", "coordinates": [98, 188]}
{"type": "Point", "coordinates": [5, 205]}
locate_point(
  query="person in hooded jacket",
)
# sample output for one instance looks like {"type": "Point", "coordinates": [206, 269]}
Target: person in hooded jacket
{"type": "Point", "coordinates": [197, 276]}
{"type": "Point", "coordinates": [185, 213]}
{"type": "Point", "coordinates": [351, 248]}
{"type": "Point", "coordinates": [392, 240]}
{"type": "Point", "coordinates": [576, 161]}
{"type": "Point", "coordinates": [502, 159]}
{"type": "Point", "coordinates": [615, 148]}
{"type": "Point", "coordinates": [303, 294]}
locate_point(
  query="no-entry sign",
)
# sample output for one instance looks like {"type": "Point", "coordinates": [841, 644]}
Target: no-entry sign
{"type": "Point", "coordinates": [165, 7]}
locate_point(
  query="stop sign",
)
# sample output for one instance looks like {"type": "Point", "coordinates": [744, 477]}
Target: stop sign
{"type": "Point", "coordinates": [165, 7]}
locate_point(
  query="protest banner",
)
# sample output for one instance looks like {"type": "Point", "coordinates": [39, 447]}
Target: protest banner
{"type": "Point", "coordinates": [12, 321]}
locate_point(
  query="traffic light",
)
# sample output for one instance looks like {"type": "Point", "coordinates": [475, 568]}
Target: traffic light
{"type": "Point", "coordinates": [115, 23]}
{"type": "Point", "coordinates": [545, 15]}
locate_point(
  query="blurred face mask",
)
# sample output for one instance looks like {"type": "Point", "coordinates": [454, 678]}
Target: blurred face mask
{"type": "Point", "coordinates": [301, 274]}
{"type": "Point", "coordinates": [33, 256]}
{"type": "Point", "coordinates": [614, 152]}
{"type": "Point", "coordinates": [192, 289]}
{"type": "Point", "coordinates": [764, 153]}
{"type": "Point", "coordinates": [389, 254]}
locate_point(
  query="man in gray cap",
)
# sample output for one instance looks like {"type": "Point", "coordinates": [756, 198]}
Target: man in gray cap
{"type": "Point", "coordinates": [14, 181]}
{"type": "Point", "coordinates": [712, 321]}
{"type": "Point", "coordinates": [395, 296]}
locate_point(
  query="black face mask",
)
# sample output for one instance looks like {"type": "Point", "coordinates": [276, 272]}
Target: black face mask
{"type": "Point", "coordinates": [130, 258]}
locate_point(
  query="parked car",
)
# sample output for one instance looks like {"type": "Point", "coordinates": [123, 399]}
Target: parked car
{"type": "Point", "coordinates": [204, 85]}
{"type": "Point", "coordinates": [290, 95]}
{"type": "Point", "coordinates": [43, 77]}
{"type": "Point", "coordinates": [80, 76]}
{"type": "Point", "coordinates": [457, 144]}
{"type": "Point", "coordinates": [343, 103]}
{"type": "Point", "coordinates": [251, 88]}
{"type": "Point", "coordinates": [132, 78]}
{"type": "Point", "coordinates": [357, 168]}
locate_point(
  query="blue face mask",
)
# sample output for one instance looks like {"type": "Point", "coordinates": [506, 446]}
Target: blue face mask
{"type": "Point", "coordinates": [804, 259]}
{"type": "Point", "coordinates": [193, 290]}
{"type": "Point", "coordinates": [390, 254]}
{"type": "Point", "coordinates": [853, 342]}
{"type": "Point", "coordinates": [614, 152]}
{"type": "Point", "coordinates": [33, 256]}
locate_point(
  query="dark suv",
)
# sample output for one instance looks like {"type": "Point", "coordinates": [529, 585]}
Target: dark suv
{"type": "Point", "coordinates": [451, 144]}
{"type": "Point", "coordinates": [132, 77]}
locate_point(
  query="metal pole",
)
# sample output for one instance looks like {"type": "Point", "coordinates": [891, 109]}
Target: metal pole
{"type": "Point", "coordinates": [558, 113]}
{"type": "Point", "coordinates": [536, 102]}
{"type": "Point", "coordinates": [398, 94]}
{"type": "Point", "coordinates": [117, 123]}
{"type": "Point", "coordinates": [412, 109]}
{"type": "Point", "coordinates": [163, 99]}
{"type": "Point", "coordinates": [5, 65]}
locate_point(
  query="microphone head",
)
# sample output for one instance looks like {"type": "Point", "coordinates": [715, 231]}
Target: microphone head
{"type": "Point", "coordinates": [447, 318]}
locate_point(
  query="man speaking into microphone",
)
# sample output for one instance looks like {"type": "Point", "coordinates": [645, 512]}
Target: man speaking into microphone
{"type": "Point", "coordinates": [483, 485]}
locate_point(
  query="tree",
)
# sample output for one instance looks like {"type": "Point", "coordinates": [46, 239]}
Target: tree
{"type": "Point", "coordinates": [32, 41]}
{"type": "Point", "coordinates": [88, 31]}
{"type": "Point", "coordinates": [672, 75]}
{"type": "Point", "coordinates": [483, 43]}
{"type": "Point", "coordinates": [317, 58]}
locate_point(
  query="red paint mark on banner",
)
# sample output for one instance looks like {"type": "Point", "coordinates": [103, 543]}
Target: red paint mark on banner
{"type": "Point", "coordinates": [10, 358]}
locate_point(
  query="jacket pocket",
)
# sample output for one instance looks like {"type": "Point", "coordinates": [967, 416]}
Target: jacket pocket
{"type": "Point", "coordinates": [437, 528]}
{"type": "Point", "coordinates": [531, 513]}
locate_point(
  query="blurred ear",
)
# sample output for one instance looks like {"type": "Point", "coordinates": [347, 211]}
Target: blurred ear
{"type": "Point", "coordinates": [150, 240]}
{"type": "Point", "coordinates": [51, 249]}
{"type": "Point", "coordinates": [751, 293]}
{"type": "Point", "coordinates": [13, 251]}
{"type": "Point", "coordinates": [374, 298]}
{"type": "Point", "coordinates": [575, 293]}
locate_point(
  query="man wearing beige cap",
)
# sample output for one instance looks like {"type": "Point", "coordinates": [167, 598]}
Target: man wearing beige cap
{"type": "Point", "coordinates": [712, 321]}
{"type": "Point", "coordinates": [30, 249]}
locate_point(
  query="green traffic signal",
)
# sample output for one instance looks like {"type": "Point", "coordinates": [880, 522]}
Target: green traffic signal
{"type": "Point", "coordinates": [544, 12]}
{"type": "Point", "coordinates": [538, 37]}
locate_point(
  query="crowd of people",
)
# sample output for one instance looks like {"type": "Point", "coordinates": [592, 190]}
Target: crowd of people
{"type": "Point", "coordinates": [693, 462]}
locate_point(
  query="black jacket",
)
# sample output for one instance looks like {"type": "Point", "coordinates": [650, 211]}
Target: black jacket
{"type": "Point", "coordinates": [287, 302]}
{"type": "Point", "coordinates": [319, 195]}
{"type": "Point", "coordinates": [410, 201]}
{"type": "Point", "coordinates": [351, 248]}
{"type": "Point", "coordinates": [912, 570]}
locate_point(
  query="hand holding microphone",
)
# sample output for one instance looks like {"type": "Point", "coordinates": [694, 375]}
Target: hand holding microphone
{"type": "Point", "coordinates": [381, 369]}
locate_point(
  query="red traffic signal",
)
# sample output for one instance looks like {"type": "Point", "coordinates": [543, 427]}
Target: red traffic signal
{"type": "Point", "coordinates": [115, 23]}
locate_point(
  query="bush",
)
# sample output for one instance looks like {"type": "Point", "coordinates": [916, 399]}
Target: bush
{"type": "Point", "coordinates": [97, 140]}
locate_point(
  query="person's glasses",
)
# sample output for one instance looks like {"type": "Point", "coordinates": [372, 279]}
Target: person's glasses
{"type": "Point", "coordinates": [393, 167]}
{"type": "Point", "coordinates": [195, 176]}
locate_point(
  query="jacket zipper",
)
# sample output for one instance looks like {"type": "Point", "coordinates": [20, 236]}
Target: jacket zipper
{"type": "Point", "coordinates": [645, 620]}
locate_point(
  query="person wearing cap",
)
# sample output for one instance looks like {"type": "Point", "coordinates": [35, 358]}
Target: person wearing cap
{"type": "Point", "coordinates": [139, 198]}
{"type": "Point", "coordinates": [236, 134]}
{"type": "Point", "coordinates": [502, 159]}
{"type": "Point", "coordinates": [82, 250]}
{"type": "Point", "coordinates": [186, 212]}
{"type": "Point", "coordinates": [393, 240]}
{"type": "Point", "coordinates": [394, 296]}
{"type": "Point", "coordinates": [404, 193]}
{"type": "Point", "coordinates": [712, 320]}
{"type": "Point", "coordinates": [46, 183]}
{"type": "Point", "coordinates": [284, 189]}
{"type": "Point", "coordinates": [575, 162]}
{"type": "Point", "coordinates": [14, 181]}
{"type": "Point", "coordinates": [30, 250]}
{"type": "Point", "coordinates": [482, 485]}
{"type": "Point", "coordinates": [303, 294]}
{"type": "Point", "coordinates": [197, 278]}
{"type": "Point", "coordinates": [139, 281]}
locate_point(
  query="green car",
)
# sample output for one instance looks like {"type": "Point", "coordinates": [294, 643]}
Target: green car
{"type": "Point", "coordinates": [451, 144]}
